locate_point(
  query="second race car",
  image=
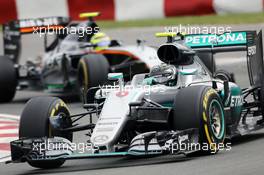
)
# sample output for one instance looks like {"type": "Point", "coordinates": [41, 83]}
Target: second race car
{"type": "Point", "coordinates": [78, 58]}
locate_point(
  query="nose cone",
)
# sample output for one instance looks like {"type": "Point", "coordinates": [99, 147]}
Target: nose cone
{"type": "Point", "coordinates": [113, 118]}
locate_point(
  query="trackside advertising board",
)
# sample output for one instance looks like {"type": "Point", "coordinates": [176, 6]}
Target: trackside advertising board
{"type": "Point", "coordinates": [214, 40]}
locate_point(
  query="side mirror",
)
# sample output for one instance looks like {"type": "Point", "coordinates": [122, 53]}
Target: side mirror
{"type": "Point", "coordinates": [119, 77]}
{"type": "Point", "coordinates": [115, 76]}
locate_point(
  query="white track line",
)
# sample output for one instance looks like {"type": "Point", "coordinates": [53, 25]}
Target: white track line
{"type": "Point", "coordinates": [9, 131]}
{"type": "Point", "coordinates": [4, 154]}
{"type": "Point", "coordinates": [4, 159]}
{"type": "Point", "coordinates": [5, 125]}
{"type": "Point", "coordinates": [7, 140]}
{"type": "Point", "coordinates": [9, 116]}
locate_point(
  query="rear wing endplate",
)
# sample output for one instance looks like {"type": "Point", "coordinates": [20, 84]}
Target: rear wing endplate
{"type": "Point", "coordinates": [13, 30]}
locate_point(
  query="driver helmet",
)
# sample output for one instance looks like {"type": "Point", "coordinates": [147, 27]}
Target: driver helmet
{"type": "Point", "coordinates": [164, 74]}
{"type": "Point", "coordinates": [101, 41]}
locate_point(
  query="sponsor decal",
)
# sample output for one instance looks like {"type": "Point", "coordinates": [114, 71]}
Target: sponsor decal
{"type": "Point", "coordinates": [108, 129]}
{"type": "Point", "coordinates": [107, 123]}
{"type": "Point", "coordinates": [100, 138]}
{"type": "Point", "coordinates": [236, 101]}
{"type": "Point", "coordinates": [183, 138]}
{"type": "Point", "coordinates": [203, 40]}
{"type": "Point", "coordinates": [122, 93]}
{"type": "Point", "coordinates": [11, 46]}
{"type": "Point", "coordinates": [39, 22]}
{"type": "Point", "coordinates": [252, 50]}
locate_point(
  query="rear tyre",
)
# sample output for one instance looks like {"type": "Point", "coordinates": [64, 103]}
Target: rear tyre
{"type": "Point", "coordinates": [260, 95]}
{"type": "Point", "coordinates": [225, 76]}
{"type": "Point", "coordinates": [8, 79]}
{"type": "Point", "coordinates": [92, 71]}
{"type": "Point", "coordinates": [34, 123]}
{"type": "Point", "coordinates": [200, 107]}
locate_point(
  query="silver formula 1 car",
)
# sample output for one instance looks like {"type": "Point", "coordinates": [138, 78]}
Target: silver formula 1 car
{"type": "Point", "coordinates": [77, 56]}
{"type": "Point", "coordinates": [174, 109]}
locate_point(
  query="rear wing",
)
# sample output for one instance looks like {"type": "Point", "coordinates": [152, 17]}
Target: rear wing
{"type": "Point", "coordinates": [13, 30]}
{"type": "Point", "coordinates": [215, 40]}
{"type": "Point", "coordinates": [248, 41]}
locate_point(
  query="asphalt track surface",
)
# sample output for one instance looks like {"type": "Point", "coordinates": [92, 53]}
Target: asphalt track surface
{"type": "Point", "coordinates": [246, 156]}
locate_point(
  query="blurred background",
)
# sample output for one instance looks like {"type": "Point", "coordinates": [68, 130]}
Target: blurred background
{"type": "Point", "coordinates": [120, 10]}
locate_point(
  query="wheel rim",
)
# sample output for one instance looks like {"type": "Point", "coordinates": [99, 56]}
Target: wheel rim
{"type": "Point", "coordinates": [81, 84]}
{"type": "Point", "coordinates": [216, 119]}
{"type": "Point", "coordinates": [81, 81]}
{"type": "Point", "coordinates": [60, 111]}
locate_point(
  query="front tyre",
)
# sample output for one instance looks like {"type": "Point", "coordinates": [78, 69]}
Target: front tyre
{"type": "Point", "coordinates": [201, 107]}
{"type": "Point", "coordinates": [34, 123]}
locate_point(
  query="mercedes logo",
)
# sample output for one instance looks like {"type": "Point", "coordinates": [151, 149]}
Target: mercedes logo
{"type": "Point", "coordinates": [100, 138]}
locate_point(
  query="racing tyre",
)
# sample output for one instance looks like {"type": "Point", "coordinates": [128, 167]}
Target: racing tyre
{"type": "Point", "coordinates": [201, 107]}
{"type": "Point", "coordinates": [261, 99]}
{"type": "Point", "coordinates": [34, 123]}
{"type": "Point", "coordinates": [225, 76]}
{"type": "Point", "coordinates": [8, 79]}
{"type": "Point", "coordinates": [92, 71]}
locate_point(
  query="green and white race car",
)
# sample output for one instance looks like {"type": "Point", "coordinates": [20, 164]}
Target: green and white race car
{"type": "Point", "coordinates": [179, 102]}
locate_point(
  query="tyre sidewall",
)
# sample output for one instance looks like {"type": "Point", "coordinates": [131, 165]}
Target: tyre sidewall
{"type": "Point", "coordinates": [94, 69]}
{"type": "Point", "coordinates": [207, 135]}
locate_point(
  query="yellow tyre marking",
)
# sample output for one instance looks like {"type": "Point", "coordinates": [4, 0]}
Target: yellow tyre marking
{"type": "Point", "coordinates": [53, 111]}
{"type": "Point", "coordinates": [205, 103]}
{"type": "Point", "coordinates": [204, 117]}
{"type": "Point", "coordinates": [207, 134]}
{"type": "Point", "coordinates": [85, 72]}
{"type": "Point", "coordinates": [209, 139]}
{"type": "Point", "coordinates": [206, 97]}
{"type": "Point", "coordinates": [51, 115]}
{"type": "Point", "coordinates": [64, 105]}
{"type": "Point", "coordinates": [57, 106]}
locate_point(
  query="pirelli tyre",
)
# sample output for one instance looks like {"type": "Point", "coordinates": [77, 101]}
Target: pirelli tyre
{"type": "Point", "coordinates": [92, 71]}
{"type": "Point", "coordinates": [260, 95]}
{"type": "Point", "coordinates": [201, 107]}
{"type": "Point", "coordinates": [225, 75]}
{"type": "Point", "coordinates": [34, 123]}
{"type": "Point", "coordinates": [8, 79]}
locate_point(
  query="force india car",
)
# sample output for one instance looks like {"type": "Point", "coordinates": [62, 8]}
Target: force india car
{"type": "Point", "coordinates": [79, 57]}
{"type": "Point", "coordinates": [184, 104]}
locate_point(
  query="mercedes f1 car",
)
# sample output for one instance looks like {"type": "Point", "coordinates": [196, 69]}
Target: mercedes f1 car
{"type": "Point", "coordinates": [79, 57]}
{"type": "Point", "coordinates": [184, 104]}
